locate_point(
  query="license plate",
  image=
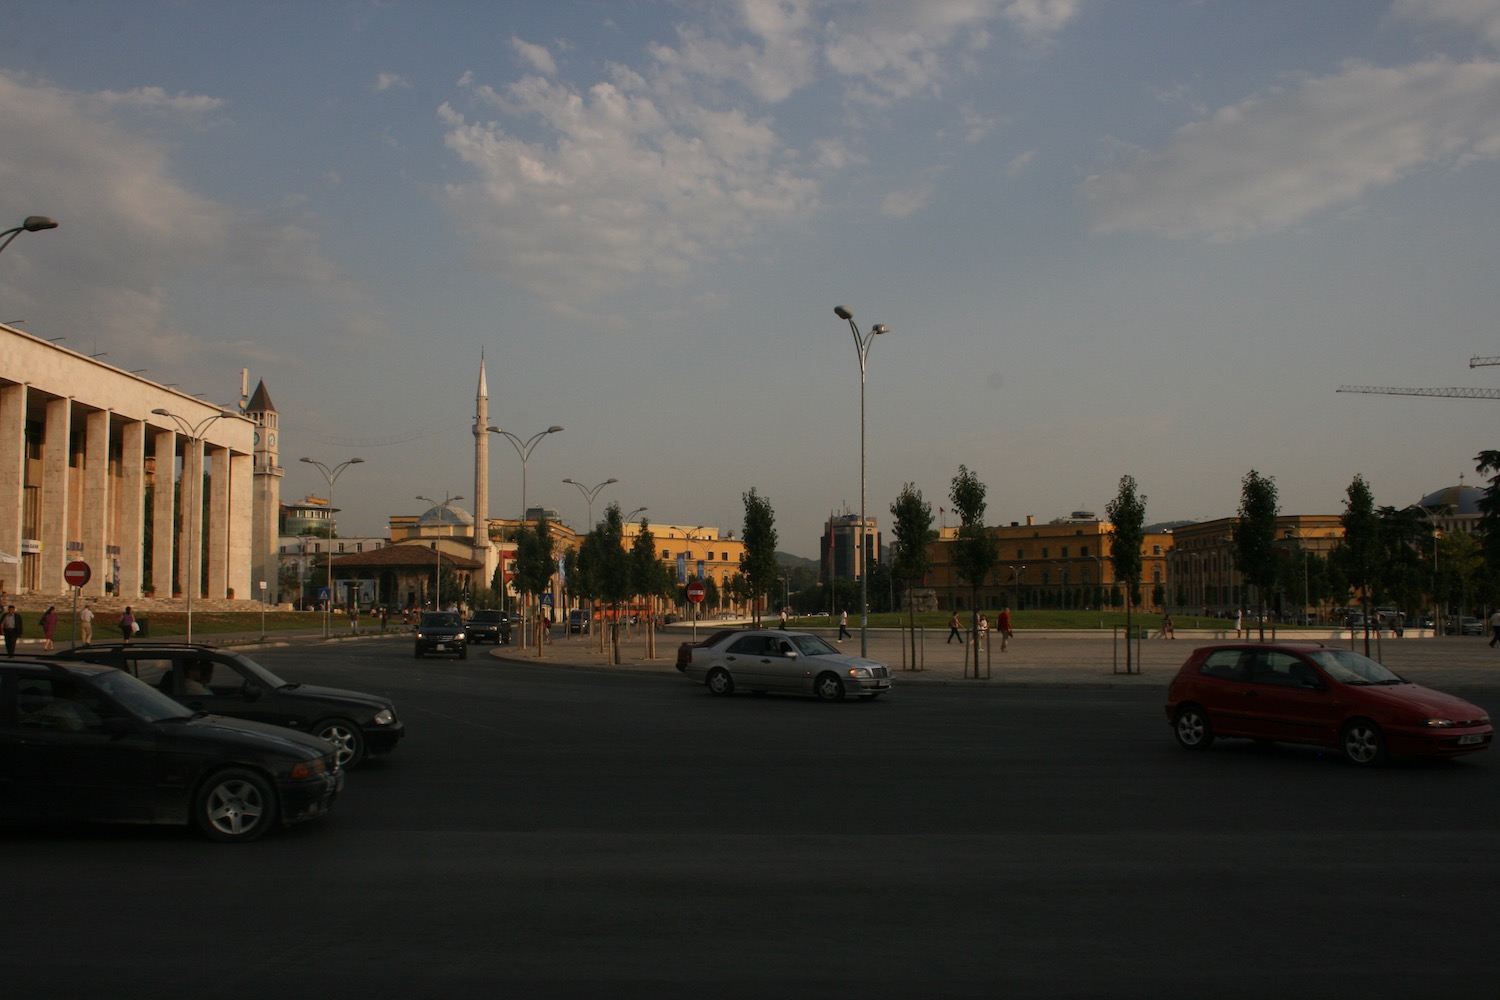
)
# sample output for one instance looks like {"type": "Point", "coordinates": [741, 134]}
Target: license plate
{"type": "Point", "coordinates": [439, 645]}
{"type": "Point", "coordinates": [1470, 740]}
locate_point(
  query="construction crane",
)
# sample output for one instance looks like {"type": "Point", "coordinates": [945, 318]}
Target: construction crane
{"type": "Point", "coordinates": [1452, 391]}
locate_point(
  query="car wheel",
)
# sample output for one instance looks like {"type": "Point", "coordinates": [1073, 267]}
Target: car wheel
{"type": "Point", "coordinates": [348, 741]}
{"type": "Point", "coordinates": [235, 805]}
{"type": "Point", "coordinates": [1362, 743]}
{"type": "Point", "coordinates": [719, 681]}
{"type": "Point", "coordinates": [1192, 728]}
{"type": "Point", "coordinates": [828, 687]}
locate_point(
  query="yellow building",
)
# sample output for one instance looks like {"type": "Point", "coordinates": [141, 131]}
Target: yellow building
{"type": "Point", "coordinates": [1203, 559]}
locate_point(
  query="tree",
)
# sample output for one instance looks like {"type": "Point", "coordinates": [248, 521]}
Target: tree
{"type": "Point", "coordinates": [911, 530]}
{"type": "Point", "coordinates": [975, 550]}
{"type": "Point", "coordinates": [758, 563]}
{"type": "Point", "coordinates": [1358, 552]}
{"type": "Point", "coordinates": [1255, 537]}
{"type": "Point", "coordinates": [535, 564]}
{"type": "Point", "coordinates": [1127, 515]}
{"type": "Point", "coordinates": [1488, 463]}
{"type": "Point", "coordinates": [648, 577]}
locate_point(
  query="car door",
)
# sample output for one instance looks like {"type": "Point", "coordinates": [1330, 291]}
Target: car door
{"type": "Point", "coordinates": [1222, 687]}
{"type": "Point", "coordinates": [224, 689]}
{"type": "Point", "coordinates": [748, 662]}
{"type": "Point", "coordinates": [787, 670]}
{"type": "Point", "coordinates": [1289, 698]}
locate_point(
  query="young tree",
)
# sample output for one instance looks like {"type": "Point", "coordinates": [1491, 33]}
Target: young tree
{"type": "Point", "coordinates": [1127, 516]}
{"type": "Point", "coordinates": [1488, 463]}
{"type": "Point", "coordinates": [645, 576]}
{"type": "Point", "coordinates": [1358, 552]}
{"type": "Point", "coordinates": [975, 550]}
{"type": "Point", "coordinates": [911, 530]}
{"type": "Point", "coordinates": [1255, 537]}
{"type": "Point", "coordinates": [534, 566]}
{"type": "Point", "coordinates": [758, 563]}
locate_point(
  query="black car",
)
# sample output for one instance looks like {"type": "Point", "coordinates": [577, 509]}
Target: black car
{"type": "Point", "coordinates": [488, 626]}
{"type": "Point", "coordinates": [228, 683]}
{"type": "Point", "coordinates": [441, 632]}
{"type": "Point", "coordinates": [83, 742]}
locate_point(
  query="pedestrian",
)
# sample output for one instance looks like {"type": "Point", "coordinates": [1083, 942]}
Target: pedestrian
{"type": "Point", "coordinates": [354, 618]}
{"type": "Point", "coordinates": [1166, 627]}
{"type": "Point", "coordinates": [984, 630]}
{"type": "Point", "coordinates": [1239, 622]}
{"type": "Point", "coordinates": [844, 625]}
{"type": "Point", "coordinates": [783, 619]}
{"type": "Point", "coordinates": [385, 616]}
{"type": "Point", "coordinates": [49, 626]}
{"type": "Point", "coordinates": [953, 629]}
{"type": "Point", "coordinates": [11, 626]}
{"type": "Point", "coordinates": [1495, 628]}
{"type": "Point", "coordinates": [86, 624]}
{"type": "Point", "coordinates": [128, 627]}
{"type": "Point", "coordinates": [1002, 625]}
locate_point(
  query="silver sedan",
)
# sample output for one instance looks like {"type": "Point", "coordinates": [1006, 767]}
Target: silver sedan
{"type": "Point", "coordinates": [792, 662]}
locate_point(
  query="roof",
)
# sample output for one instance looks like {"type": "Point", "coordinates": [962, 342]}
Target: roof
{"type": "Point", "coordinates": [1463, 499]}
{"type": "Point", "coordinates": [410, 554]}
{"type": "Point", "coordinates": [260, 400]}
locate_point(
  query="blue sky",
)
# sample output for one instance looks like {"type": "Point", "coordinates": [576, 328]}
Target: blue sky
{"type": "Point", "coordinates": [1145, 238]}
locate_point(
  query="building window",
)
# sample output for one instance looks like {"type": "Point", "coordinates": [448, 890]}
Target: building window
{"type": "Point", "coordinates": [666, 553]}
{"type": "Point", "coordinates": [1044, 552]}
{"type": "Point", "coordinates": [1065, 552]}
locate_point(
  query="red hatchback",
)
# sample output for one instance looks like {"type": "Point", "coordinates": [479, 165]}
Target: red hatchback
{"type": "Point", "coordinates": [1326, 696]}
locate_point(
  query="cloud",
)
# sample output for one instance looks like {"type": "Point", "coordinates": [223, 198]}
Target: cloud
{"type": "Point", "coordinates": [1271, 162]}
{"type": "Point", "coordinates": [900, 204]}
{"type": "Point", "coordinates": [1479, 16]}
{"type": "Point", "coordinates": [535, 56]}
{"type": "Point", "coordinates": [390, 81]}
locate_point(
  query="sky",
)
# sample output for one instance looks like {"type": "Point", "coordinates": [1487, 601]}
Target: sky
{"type": "Point", "coordinates": [1108, 237]}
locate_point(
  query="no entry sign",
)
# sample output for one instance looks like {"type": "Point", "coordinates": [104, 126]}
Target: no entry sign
{"type": "Point", "coordinates": [76, 573]}
{"type": "Point", "coordinates": [695, 591]}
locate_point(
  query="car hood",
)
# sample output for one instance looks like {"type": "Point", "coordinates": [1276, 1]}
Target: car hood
{"type": "Point", "coordinates": [251, 735]}
{"type": "Point", "coordinates": [373, 702]}
{"type": "Point", "coordinates": [845, 661]}
{"type": "Point", "coordinates": [1424, 700]}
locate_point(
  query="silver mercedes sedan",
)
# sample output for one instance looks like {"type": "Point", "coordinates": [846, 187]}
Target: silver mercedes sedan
{"type": "Point", "coordinates": [789, 662]}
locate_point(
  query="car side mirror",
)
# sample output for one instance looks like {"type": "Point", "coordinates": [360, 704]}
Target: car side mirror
{"type": "Point", "coordinates": [251, 692]}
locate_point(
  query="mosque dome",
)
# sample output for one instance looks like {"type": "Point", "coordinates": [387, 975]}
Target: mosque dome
{"type": "Point", "coordinates": [446, 515]}
{"type": "Point", "coordinates": [1464, 500]}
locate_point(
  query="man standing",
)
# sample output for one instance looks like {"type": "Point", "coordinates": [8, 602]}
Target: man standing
{"type": "Point", "coordinates": [11, 626]}
{"type": "Point", "coordinates": [86, 624]}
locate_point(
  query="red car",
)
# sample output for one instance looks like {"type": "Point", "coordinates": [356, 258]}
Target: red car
{"type": "Point", "coordinates": [1327, 696]}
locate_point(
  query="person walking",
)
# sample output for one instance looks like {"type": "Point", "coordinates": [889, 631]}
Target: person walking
{"type": "Point", "coordinates": [783, 619]}
{"type": "Point", "coordinates": [1166, 627]}
{"type": "Point", "coordinates": [354, 618]}
{"type": "Point", "coordinates": [1002, 625]}
{"type": "Point", "coordinates": [127, 624]}
{"type": "Point", "coordinates": [984, 630]}
{"type": "Point", "coordinates": [1495, 628]}
{"type": "Point", "coordinates": [953, 629]}
{"type": "Point", "coordinates": [86, 624]}
{"type": "Point", "coordinates": [49, 627]}
{"type": "Point", "coordinates": [1239, 622]}
{"type": "Point", "coordinates": [11, 626]}
{"type": "Point", "coordinates": [844, 625]}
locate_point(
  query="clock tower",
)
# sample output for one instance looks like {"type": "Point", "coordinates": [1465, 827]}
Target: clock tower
{"type": "Point", "coordinates": [265, 561]}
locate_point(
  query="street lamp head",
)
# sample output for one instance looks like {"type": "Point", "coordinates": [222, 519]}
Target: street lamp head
{"type": "Point", "coordinates": [608, 481]}
{"type": "Point", "coordinates": [573, 481]}
{"type": "Point", "coordinates": [36, 223]}
{"type": "Point", "coordinates": [356, 461]}
{"type": "Point", "coordinates": [159, 412]}
{"type": "Point", "coordinates": [842, 312]}
{"type": "Point", "coordinates": [492, 429]}
{"type": "Point", "coordinates": [309, 461]}
{"type": "Point", "coordinates": [553, 429]}
{"type": "Point", "coordinates": [880, 328]}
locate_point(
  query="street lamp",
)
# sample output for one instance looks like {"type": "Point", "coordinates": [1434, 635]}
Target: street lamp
{"type": "Point", "coordinates": [33, 224]}
{"type": "Point", "coordinates": [588, 493]}
{"type": "Point", "coordinates": [524, 450]}
{"type": "Point", "coordinates": [332, 476]}
{"type": "Point", "coordinates": [862, 348]}
{"type": "Point", "coordinates": [639, 510]}
{"type": "Point", "coordinates": [194, 434]}
{"type": "Point", "coordinates": [437, 592]}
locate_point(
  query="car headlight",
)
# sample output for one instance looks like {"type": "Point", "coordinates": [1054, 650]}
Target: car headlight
{"type": "Point", "coordinates": [302, 770]}
{"type": "Point", "coordinates": [421, 635]}
{"type": "Point", "coordinates": [860, 672]}
{"type": "Point", "coordinates": [1438, 723]}
{"type": "Point", "coordinates": [384, 717]}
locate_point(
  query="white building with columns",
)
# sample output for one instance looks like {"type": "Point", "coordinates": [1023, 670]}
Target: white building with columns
{"type": "Point", "coordinates": [84, 444]}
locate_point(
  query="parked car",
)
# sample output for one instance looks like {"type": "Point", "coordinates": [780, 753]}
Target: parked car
{"type": "Point", "coordinates": [88, 743]}
{"type": "Point", "coordinates": [225, 682]}
{"type": "Point", "coordinates": [685, 651]}
{"type": "Point", "coordinates": [793, 662]}
{"type": "Point", "coordinates": [1465, 625]}
{"type": "Point", "coordinates": [578, 620]}
{"type": "Point", "coordinates": [1326, 696]}
{"type": "Point", "coordinates": [441, 632]}
{"type": "Point", "coordinates": [488, 626]}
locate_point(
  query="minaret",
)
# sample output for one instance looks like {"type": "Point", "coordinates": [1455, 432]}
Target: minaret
{"type": "Point", "coordinates": [265, 496]}
{"type": "Point", "coordinates": [484, 552]}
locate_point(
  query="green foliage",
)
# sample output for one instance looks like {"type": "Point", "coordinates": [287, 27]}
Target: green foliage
{"type": "Point", "coordinates": [1255, 533]}
{"type": "Point", "coordinates": [758, 564]}
{"type": "Point", "coordinates": [975, 550]}
{"type": "Point", "coordinates": [1488, 463]}
{"type": "Point", "coordinates": [535, 563]}
{"type": "Point", "coordinates": [603, 560]}
{"type": "Point", "coordinates": [911, 533]}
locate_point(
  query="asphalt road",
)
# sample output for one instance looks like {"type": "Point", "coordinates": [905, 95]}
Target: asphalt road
{"type": "Point", "coordinates": [552, 832]}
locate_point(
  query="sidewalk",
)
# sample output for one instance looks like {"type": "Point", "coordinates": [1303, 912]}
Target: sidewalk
{"type": "Point", "coordinates": [1054, 659]}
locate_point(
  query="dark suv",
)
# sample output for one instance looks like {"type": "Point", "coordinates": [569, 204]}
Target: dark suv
{"type": "Point", "coordinates": [441, 632]}
{"type": "Point", "coordinates": [488, 626]}
{"type": "Point", "coordinates": [223, 682]}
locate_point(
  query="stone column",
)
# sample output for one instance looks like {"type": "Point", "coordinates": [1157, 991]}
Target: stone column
{"type": "Point", "coordinates": [217, 522]}
{"type": "Point", "coordinates": [242, 510]}
{"type": "Point", "coordinates": [190, 537]}
{"type": "Point", "coordinates": [12, 481]}
{"type": "Point", "coordinates": [55, 496]}
{"type": "Point", "coordinates": [94, 524]}
{"type": "Point", "coordinates": [130, 509]}
{"type": "Point", "coordinates": [163, 538]}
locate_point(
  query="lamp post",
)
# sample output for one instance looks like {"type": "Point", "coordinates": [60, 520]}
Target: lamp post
{"type": "Point", "coordinates": [862, 348]}
{"type": "Point", "coordinates": [194, 434]}
{"type": "Point", "coordinates": [638, 510]}
{"type": "Point", "coordinates": [589, 494]}
{"type": "Point", "coordinates": [332, 476]}
{"type": "Point", "coordinates": [524, 451]}
{"type": "Point", "coordinates": [33, 224]}
{"type": "Point", "coordinates": [437, 590]}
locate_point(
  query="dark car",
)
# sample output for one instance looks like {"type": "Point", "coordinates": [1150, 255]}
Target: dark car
{"type": "Point", "coordinates": [441, 632]}
{"type": "Point", "coordinates": [88, 743]}
{"type": "Point", "coordinates": [1327, 696]}
{"type": "Point", "coordinates": [578, 620]}
{"type": "Point", "coordinates": [228, 683]}
{"type": "Point", "coordinates": [488, 626]}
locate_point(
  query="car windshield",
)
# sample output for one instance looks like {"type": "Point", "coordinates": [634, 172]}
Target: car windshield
{"type": "Point", "coordinates": [811, 645]}
{"type": "Point", "coordinates": [139, 698]}
{"type": "Point", "coordinates": [434, 619]}
{"type": "Point", "coordinates": [265, 676]}
{"type": "Point", "coordinates": [486, 616]}
{"type": "Point", "coordinates": [1348, 667]}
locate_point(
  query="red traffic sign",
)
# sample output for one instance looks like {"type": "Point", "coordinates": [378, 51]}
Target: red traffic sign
{"type": "Point", "coordinates": [695, 591]}
{"type": "Point", "coordinates": [76, 573]}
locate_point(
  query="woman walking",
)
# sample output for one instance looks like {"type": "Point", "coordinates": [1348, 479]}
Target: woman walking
{"type": "Point", "coordinates": [127, 624]}
{"type": "Point", "coordinates": [49, 626]}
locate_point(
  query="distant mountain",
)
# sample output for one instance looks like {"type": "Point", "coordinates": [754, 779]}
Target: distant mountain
{"type": "Point", "coordinates": [1166, 526]}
